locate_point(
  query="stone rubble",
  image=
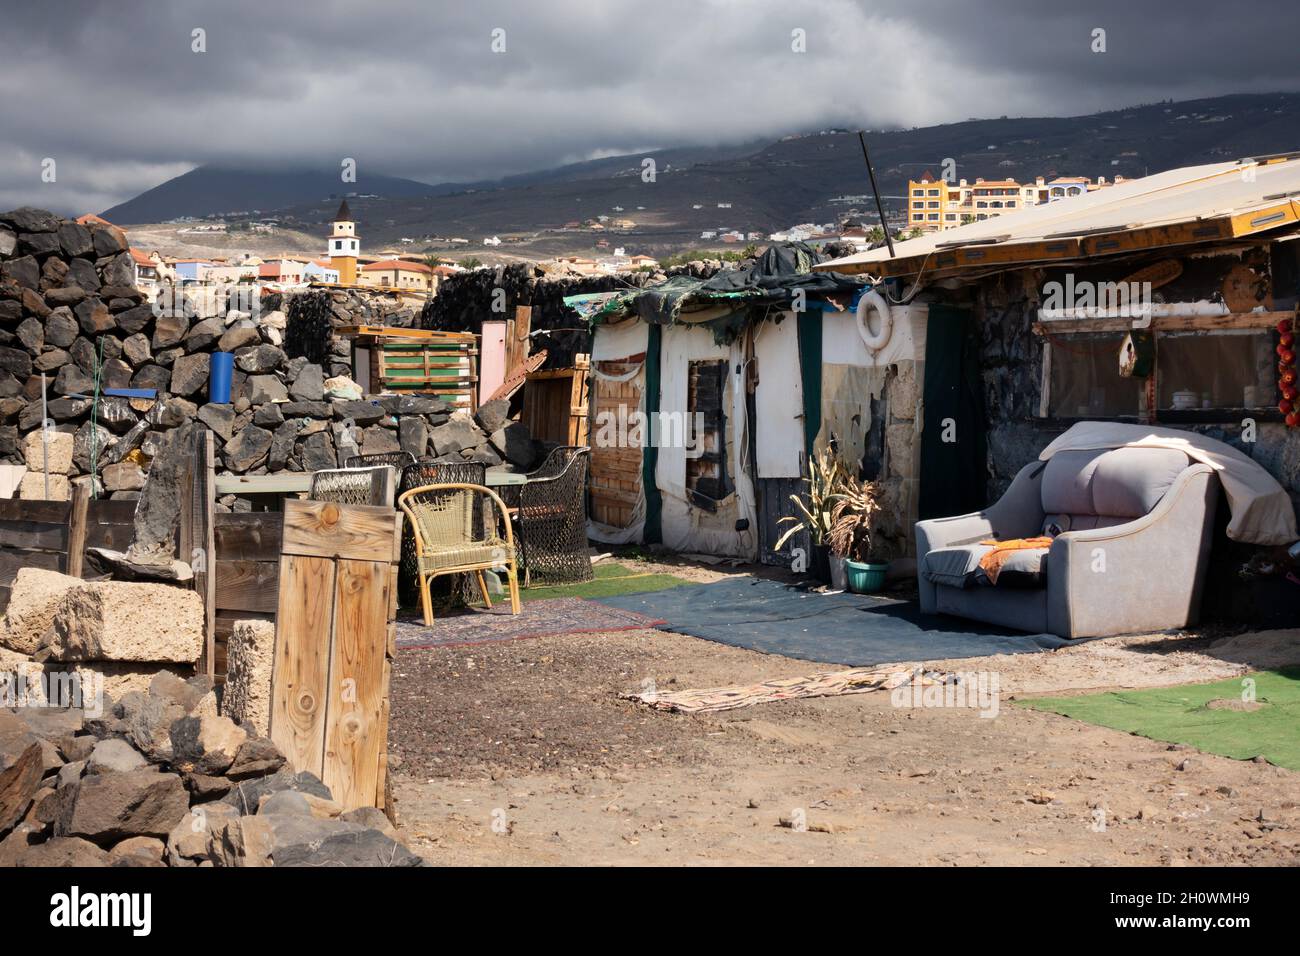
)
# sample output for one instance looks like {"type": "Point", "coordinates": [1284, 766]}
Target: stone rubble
{"type": "Point", "coordinates": [161, 779]}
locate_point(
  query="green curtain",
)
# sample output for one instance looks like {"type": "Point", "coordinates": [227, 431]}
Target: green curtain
{"type": "Point", "coordinates": [653, 533]}
{"type": "Point", "coordinates": [810, 374]}
{"type": "Point", "coordinates": [954, 450]}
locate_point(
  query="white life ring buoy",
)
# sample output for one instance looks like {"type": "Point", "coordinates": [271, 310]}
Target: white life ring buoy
{"type": "Point", "coordinates": [874, 341]}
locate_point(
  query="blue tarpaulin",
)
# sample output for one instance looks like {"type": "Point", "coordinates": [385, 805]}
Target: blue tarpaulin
{"type": "Point", "coordinates": [851, 629]}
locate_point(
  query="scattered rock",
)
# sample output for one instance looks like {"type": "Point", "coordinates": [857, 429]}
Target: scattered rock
{"type": "Point", "coordinates": [492, 416]}
{"type": "Point", "coordinates": [125, 621]}
{"type": "Point", "coordinates": [114, 755]}
{"type": "Point", "coordinates": [138, 851]}
{"type": "Point", "coordinates": [60, 852]}
{"type": "Point", "coordinates": [108, 807]}
{"type": "Point", "coordinates": [257, 757]}
{"type": "Point", "coordinates": [21, 769]}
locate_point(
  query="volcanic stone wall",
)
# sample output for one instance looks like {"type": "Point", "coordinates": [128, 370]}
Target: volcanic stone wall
{"type": "Point", "coordinates": [465, 300]}
{"type": "Point", "coordinates": [72, 324]}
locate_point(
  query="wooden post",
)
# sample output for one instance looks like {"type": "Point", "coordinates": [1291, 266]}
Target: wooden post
{"type": "Point", "coordinates": [209, 492]}
{"type": "Point", "coordinates": [77, 527]}
{"type": "Point", "coordinates": [517, 330]}
{"type": "Point", "coordinates": [198, 540]}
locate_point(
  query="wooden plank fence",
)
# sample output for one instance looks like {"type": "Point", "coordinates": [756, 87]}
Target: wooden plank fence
{"type": "Point", "coordinates": [37, 534]}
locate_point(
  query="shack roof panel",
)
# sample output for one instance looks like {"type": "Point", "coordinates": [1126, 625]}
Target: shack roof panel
{"type": "Point", "coordinates": [1179, 196]}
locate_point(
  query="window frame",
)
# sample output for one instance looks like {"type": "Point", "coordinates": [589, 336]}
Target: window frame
{"type": "Point", "coordinates": [1218, 414]}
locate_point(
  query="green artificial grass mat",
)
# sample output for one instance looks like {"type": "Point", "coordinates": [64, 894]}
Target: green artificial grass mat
{"type": "Point", "coordinates": [1230, 727]}
{"type": "Point", "coordinates": [611, 579]}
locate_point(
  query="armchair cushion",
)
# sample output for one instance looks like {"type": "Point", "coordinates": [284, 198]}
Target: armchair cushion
{"type": "Point", "coordinates": [1026, 568]}
{"type": "Point", "coordinates": [955, 566]}
{"type": "Point", "coordinates": [1117, 483]}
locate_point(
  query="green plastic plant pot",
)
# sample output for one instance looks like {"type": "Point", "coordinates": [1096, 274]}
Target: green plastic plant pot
{"type": "Point", "coordinates": [865, 577]}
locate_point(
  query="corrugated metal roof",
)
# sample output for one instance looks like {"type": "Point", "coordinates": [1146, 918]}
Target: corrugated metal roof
{"type": "Point", "coordinates": [1234, 198]}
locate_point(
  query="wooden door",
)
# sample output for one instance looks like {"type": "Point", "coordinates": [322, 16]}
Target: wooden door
{"type": "Point", "coordinates": [615, 465]}
{"type": "Point", "coordinates": [334, 644]}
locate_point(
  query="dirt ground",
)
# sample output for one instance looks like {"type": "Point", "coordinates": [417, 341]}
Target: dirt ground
{"type": "Point", "coordinates": [522, 754]}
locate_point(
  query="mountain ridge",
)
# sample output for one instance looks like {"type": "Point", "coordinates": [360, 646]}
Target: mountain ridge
{"type": "Point", "coordinates": [767, 185]}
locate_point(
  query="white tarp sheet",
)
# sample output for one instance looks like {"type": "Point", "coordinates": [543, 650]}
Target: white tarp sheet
{"type": "Point", "coordinates": [686, 527]}
{"type": "Point", "coordinates": [1261, 509]}
{"type": "Point", "coordinates": [778, 400]}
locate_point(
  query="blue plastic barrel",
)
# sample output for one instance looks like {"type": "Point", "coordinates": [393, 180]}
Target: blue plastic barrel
{"type": "Point", "coordinates": [219, 374]}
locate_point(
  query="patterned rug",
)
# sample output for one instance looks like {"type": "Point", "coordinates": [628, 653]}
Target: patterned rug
{"type": "Point", "coordinates": [536, 619]}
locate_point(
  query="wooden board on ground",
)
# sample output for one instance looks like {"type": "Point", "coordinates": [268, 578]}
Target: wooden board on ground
{"type": "Point", "coordinates": [329, 697]}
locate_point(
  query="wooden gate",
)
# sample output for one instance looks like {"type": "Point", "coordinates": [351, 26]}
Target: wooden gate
{"type": "Point", "coordinates": [334, 644]}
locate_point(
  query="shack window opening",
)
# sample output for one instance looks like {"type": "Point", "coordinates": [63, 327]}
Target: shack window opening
{"type": "Point", "coordinates": [1230, 369]}
{"type": "Point", "coordinates": [707, 481]}
{"type": "Point", "coordinates": [1226, 370]}
{"type": "Point", "coordinates": [1085, 380]}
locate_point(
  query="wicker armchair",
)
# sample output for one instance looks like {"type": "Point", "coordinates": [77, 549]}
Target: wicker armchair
{"type": "Point", "coordinates": [398, 459]}
{"type": "Point", "coordinates": [552, 516]}
{"type": "Point", "coordinates": [354, 486]}
{"type": "Point", "coordinates": [454, 590]}
{"type": "Point", "coordinates": [449, 539]}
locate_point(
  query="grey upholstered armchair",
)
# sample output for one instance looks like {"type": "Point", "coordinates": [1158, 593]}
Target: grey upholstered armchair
{"type": "Point", "coordinates": [1130, 532]}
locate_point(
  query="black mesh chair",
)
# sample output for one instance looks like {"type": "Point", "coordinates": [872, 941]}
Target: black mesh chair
{"type": "Point", "coordinates": [552, 465]}
{"type": "Point", "coordinates": [449, 590]}
{"type": "Point", "coordinates": [398, 459]}
{"type": "Point", "coordinates": [552, 519]}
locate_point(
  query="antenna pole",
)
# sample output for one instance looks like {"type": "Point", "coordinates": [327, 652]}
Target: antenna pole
{"type": "Point", "coordinates": [880, 205]}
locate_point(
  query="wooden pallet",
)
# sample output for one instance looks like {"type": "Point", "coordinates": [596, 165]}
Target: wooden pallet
{"type": "Point", "coordinates": [419, 360]}
{"type": "Point", "coordinates": [555, 403]}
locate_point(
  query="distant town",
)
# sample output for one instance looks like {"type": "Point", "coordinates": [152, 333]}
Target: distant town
{"type": "Point", "coordinates": [933, 204]}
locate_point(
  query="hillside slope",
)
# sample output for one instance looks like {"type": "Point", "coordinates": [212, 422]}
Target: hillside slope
{"type": "Point", "coordinates": [811, 177]}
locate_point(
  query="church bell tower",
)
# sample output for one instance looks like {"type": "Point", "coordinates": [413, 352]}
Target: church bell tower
{"type": "Point", "coordinates": [344, 245]}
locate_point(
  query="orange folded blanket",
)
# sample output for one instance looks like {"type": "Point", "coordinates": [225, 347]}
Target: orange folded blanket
{"type": "Point", "coordinates": [991, 563]}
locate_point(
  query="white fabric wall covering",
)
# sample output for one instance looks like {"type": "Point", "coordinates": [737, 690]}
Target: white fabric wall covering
{"type": "Point", "coordinates": [842, 344]}
{"type": "Point", "coordinates": [778, 400]}
{"type": "Point", "coordinates": [685, 527]}
{"type": "Point", "coordinates": [615, 343]}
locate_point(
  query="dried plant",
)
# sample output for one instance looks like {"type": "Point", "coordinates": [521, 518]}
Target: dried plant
{"type": "Point", "coordinates": [853, 512]}
{"type": "Point", "coordinates": [826, 477]}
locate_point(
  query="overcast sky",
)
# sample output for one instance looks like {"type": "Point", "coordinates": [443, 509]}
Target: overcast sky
{"type": "Point", "coordinates": [115, 94]}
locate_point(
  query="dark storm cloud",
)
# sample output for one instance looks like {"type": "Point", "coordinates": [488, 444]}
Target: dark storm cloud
{"type": "Point", "coordinates": [114, 94]}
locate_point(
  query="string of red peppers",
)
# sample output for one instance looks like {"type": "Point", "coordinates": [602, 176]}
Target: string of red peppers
{"type": "Point", "coordinates": [1286, 372]}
